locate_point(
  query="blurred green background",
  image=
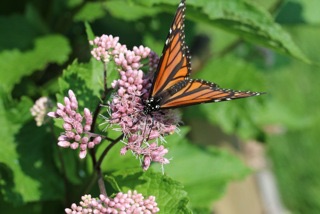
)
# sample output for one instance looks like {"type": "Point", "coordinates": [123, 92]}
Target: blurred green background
{"type": "Point", "coordinates": [270, 46]}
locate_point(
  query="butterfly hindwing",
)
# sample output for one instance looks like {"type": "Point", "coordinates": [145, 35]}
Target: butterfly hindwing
{"type": "Point", "coordinates": [199, 91]}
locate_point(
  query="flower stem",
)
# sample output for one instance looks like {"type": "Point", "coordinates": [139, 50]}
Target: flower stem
{"type": "Point", "coordinates": [105, 152]}
{"type": "Point", "coordinates": [94, 120]}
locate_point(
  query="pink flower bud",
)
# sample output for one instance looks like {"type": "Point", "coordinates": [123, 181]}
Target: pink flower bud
{"type": "Point", "coordinates": [52, 114]}
{"type": "Point", "coordinates": [70, 134]}
{"type": "Point", "coordinates": [74, 145]}
{"type": "Point", "coordinates": [146, 162]}
{"type": "Point", "coordinates": [79, 128]}
{"type": "Point", "coordinates": [64, 144]}
{"type": "Point", "coordinates": [97, 140]}
{"type": "Point", "coordinates": [78, 117]}
{"type": "Point", "coordinates": [85, 140]}
{"type": "Point", "coordinates": [90, 145]}
{"type": "Point", "coordinates": [87, 128]}
{"type": "Point", "coordinates": [77, 137]}
{"type": "Point", "coordinates": [123, 150]}
{"type": "Point", "coordinates": [67, 101]}
{"type": "Point", "coordinates": [83, 154]}
{"type": "Point", "coordinates": [63, 138]}
{"type": "Point", "coordinates": [67, 126]}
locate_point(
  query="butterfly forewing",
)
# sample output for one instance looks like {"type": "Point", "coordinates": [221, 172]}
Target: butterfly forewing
{"type": "Point", "coordinates": [199, 91]}
{"type": "Point", "coordinates": [174, 64]}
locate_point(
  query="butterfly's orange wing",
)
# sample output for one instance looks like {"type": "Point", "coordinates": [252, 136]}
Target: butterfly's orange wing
{"type": "Point", "coordinates": [174, 64]}
{"type": "Point", "coordinates": [172, 86]}
{"type": "Point", "coordinates": [199, 91]}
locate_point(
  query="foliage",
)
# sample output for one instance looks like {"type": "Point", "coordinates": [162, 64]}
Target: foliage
{"type": "Point", "coordinates": [44, 51]}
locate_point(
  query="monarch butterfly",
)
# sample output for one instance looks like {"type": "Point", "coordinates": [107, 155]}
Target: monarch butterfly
{"type": "Point", "coordinates": [172, 86]}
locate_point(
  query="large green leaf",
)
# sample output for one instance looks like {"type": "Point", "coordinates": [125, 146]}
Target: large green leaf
{"type": "Point", "coordinates": [251, 23]}
{"type": "Point", "coordinates": [170, 196]}
{"type": "Point", "coordinates": [27, 171]}
{"type": "Point", "coordinates": [247, 20]}
{"type": "Point", "coordinates": [15, 64]}
{"type": "Point", "coordinates": [86, 81]}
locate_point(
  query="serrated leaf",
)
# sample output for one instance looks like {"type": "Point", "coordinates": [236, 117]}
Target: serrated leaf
{"type": "Point", "coordinates": [15, 64]}
{"type": "Point", "coordinates": [27, 172]}
{"type": "Point", "coordinates": [86, 81]}
{"type": "Point", "coordinates": [170, 196]}
{"type": "Point", "coordinates": [112, 73]}
{"type": "Point", "coordinates": [247, 20]}
{"type": "Point", "coordinates": [251, 23]}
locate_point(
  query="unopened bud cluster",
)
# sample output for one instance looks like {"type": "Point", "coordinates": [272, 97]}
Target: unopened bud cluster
{"type": "Point", "coordinates": [76, 126]}
{"type": "Point", "coordinates": [122, 203]}
{"type": "Point", "coordinates": [127, 105]}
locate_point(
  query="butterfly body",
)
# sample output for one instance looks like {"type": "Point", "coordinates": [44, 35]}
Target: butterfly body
{"type": "Point", "coordinates": [172, 86]}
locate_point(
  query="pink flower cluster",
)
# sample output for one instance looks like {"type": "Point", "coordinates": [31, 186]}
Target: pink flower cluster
{"type": "Point", "coordinates": [76, 129]}
{"type": "Point", "coordinates": [122, 203]}
{"type": "Point", "coordinates": [127, 105]}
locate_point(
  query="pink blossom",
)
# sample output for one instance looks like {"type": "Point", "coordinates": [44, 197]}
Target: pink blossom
{"type": "Point", "coordinates": [76, 126]}
{"type": "Point", "coordinates": [127, 105]}
{"type": "Point", "coordinates": [130, 202]}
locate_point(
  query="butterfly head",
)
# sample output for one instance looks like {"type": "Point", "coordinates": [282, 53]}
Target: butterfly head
{"type": "Point", "coordinates": [151, 105]}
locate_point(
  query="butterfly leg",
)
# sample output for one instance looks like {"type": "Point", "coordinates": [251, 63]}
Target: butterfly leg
{"type": "Point", "coordinates": [150, 127]}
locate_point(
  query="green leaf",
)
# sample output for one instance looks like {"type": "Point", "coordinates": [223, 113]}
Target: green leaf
{"type": "Point", "coordinates": [27, 171]}
{"type": "Point", "coordinates": [170, 196]}
{"type": "Point", "coordinates": [73, 3]}
{"type": "Point", "coordinates": [112, 73]}
{"type": "Point", "coordinates": [250, 22]}
{"type": "Point", "coordinates": [299, 12]}
{"type": "Point", "coordinates": [86, 81]}
{"type": "Point", "coordinates": [114, 160]}
{"type": "Point", "coordinates": [89, 31]}
{"type": "Point", "coordinates": [119, 9]}
{"type": "Point", "coordinates": [90, 12]}
{"type": "Point", "coordinates": [204, 171]}
{"type": "Point", "coordinates": [247, 20]}
{"type": "Point", "coordinates": [15, 64]}
{"type": "Point", "coordinates": [11, 28]}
